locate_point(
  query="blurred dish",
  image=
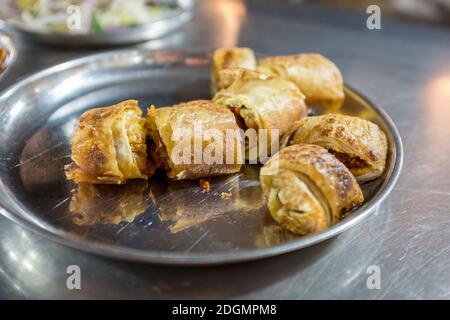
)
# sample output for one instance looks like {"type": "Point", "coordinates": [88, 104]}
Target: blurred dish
{"type": "Point", "coordinates": [94, 22]}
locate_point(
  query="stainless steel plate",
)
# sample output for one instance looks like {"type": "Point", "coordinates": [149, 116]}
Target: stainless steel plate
{"type": "Point", "coordinates": [140, 33]}
{"type": "Point", "coordinates": [162, 221]}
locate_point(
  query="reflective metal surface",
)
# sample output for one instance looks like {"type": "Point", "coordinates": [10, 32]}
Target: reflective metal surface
{"type": "Point", "coordinates": [129, 35]}
{"type": "Point", "coordinates": [404, 67]}
{"type": "Point", "coordinates": [162, 221]}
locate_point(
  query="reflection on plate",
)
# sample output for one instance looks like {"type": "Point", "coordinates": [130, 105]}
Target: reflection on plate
{"type": "Point", "coordinates": [272, 234]}
{"type": "Point", "coordinates": [185, 204]}
{"type": "Point", "coordinates": [91, 204]}
{"type": "Point", "coordinates": [106, 204]}
{"type": "Point", "coordinates": [182, 205]}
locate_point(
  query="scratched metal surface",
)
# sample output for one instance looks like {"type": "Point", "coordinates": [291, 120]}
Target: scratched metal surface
{"type": "Point", "coordinates": [404, 67]}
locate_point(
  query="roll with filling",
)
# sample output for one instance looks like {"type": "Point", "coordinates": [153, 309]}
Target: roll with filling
{"type": "Point", "coordinates": [183, 144]}
{"type": "Point", "coordinates": [316, 76]}
{"type": "Point", "coordinates": [226, 77]}
{"type": "Point", "coordinates": [259, 103]}
{"type": "Point", "coordinates": [230, 58]}
{"type": "Point", "coordinates": [109, 145]}
{"type": "Point", "coordinates": [360, 144]}
{"type": "Point", "coordinates": [308, 189]}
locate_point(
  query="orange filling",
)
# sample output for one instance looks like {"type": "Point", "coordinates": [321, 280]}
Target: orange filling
{"type": "Point", "coordinates": [348, 161]}
{"type": "Point", "coordinates": [240, 122]}
{"type": "Point", "coordinates": [204, 184]}
{"type": "Point", "coordinates": [154, 160]}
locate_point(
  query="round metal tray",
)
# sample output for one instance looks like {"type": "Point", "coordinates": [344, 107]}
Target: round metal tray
{"type": "Point", "coordinates": [160, 221]}
{"type": "Point", "coordinates": [140, 33]}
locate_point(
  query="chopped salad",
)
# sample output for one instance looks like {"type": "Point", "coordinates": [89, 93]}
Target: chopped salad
{"type": "Point", "coordinates": [84, 16]}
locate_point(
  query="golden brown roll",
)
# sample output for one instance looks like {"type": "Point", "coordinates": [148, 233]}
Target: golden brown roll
{"type": "Point", "coordinates": [231, 58]}
{"type": "Point", "coordinates": [271, 103]}
{"type": "Point", "coordinates": [360, 144]}
{"type": "Point", "coordinates": [226, 77]}
{"type": "Point", "coordinates": [182, 122]}
{"type": "Point", "coordinates": [317, 77]}
{"type": "Point", "coordinates": [308, 189]}
{"type": "Point", "coordinates": [108, 145]}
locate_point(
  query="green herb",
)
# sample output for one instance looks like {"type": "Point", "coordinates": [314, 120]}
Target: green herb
{"type": "Point", "coordinates": [95, 24]}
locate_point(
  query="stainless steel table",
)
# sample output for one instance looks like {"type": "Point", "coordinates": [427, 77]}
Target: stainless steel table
{"type": "Point", "coordinates": [404, 67]}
